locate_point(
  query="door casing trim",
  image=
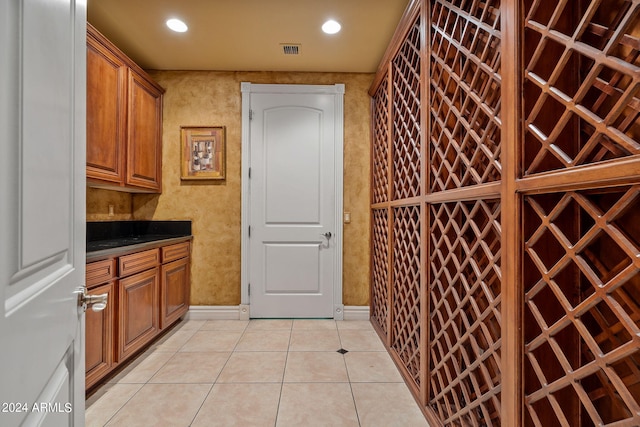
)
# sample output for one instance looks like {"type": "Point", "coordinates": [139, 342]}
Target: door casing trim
{"type": "Point", "coordinates": [247, 89]}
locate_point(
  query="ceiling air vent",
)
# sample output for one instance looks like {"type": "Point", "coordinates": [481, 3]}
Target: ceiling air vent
{"type": "Point", "coordinates": [290, 49]}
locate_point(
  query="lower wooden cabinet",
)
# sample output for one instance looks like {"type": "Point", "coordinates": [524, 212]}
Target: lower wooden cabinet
{"type": "Point", "coordinates": [138, 310]}
{"type": "Point", "coordinates": [148, 291]}
{"type": "Point", "coordinates": [99, 336]}
{"type": "Point", "coordinates": [174, 291]}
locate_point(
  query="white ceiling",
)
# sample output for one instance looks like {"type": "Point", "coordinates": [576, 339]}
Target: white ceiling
{"type": "Point", "coordinates": [246, 35]}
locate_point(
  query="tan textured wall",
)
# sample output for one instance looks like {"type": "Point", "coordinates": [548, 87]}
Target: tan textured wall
{"type": "Point", "coordinates": [98, 202]}
{"type": "Point", "coordinates": [204, 98]}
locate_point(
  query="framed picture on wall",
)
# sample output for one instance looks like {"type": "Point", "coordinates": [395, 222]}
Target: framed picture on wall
{"type": "Point", "coordinates": [203, 153]}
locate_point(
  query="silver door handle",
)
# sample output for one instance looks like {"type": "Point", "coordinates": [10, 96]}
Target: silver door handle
{"type": "Point", "coordinates": [97, 302]}
{"type": "Point", "coordinates": [327, 235]}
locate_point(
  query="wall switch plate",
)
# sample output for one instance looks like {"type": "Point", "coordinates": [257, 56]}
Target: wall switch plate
{"type": "Point", "coordinates": [347, 217]}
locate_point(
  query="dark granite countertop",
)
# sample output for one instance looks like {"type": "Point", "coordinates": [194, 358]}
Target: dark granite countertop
{"type": "Point", "coordinates": [117, 237]}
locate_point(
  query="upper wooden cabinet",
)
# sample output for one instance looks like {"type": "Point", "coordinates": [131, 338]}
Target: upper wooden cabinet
{"type": "Point", "coordinates": [144, 133]}
{"type": "Point", "coordinates": [124, 120]}
{"type": "Point", "coordinates": [106, 113]}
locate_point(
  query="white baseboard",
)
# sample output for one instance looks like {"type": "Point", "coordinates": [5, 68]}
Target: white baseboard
{"type": "Point", "coordinates": [237, 312]}
{"type": "Point", "coordinates": [213, 312]}
{"type": "Point", "coordinates": [356, 312]}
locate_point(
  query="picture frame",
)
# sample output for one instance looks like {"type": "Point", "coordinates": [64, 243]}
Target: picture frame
{"type": "Point", "coordinates": [203, 153]}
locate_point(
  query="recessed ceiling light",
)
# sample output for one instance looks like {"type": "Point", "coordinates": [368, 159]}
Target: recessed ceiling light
{"type": "Point", "coordinates": [331, 27]}
{"type": "Point", "coordinates": [177, 25]}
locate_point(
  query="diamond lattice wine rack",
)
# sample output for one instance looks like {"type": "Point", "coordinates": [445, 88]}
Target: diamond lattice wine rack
{"type": "Point", "coordinates": [506, 210]}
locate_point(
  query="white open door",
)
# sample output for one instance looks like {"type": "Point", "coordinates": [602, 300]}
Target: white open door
{"type": "Point", "coordinates": [294, 198]}
{"type": "Point", "coordinates": [42, 205]}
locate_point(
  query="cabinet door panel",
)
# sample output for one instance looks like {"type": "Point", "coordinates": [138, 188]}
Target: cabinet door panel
{"type": "Point", "coordinates": [106, 107]}
{"type": "Point", "coordinates": [99, 327]}
{"type": "Point", "coordinates": [144, 145]}
{"type": "Point", "coordinates": [138, 311]}
{"type": "Point", "coordinates": [174, 291]}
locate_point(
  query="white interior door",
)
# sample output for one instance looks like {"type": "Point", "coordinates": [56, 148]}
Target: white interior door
{"type": "Point", "coordinates": [294, 201]}
{"type": "Point", "coordinates": [42, 204]}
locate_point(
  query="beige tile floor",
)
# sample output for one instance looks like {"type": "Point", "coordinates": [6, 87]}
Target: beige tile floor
{"type": "Point", "coordinates": [259, 373]}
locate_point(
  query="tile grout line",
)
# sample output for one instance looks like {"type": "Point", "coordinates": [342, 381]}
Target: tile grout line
{"type": "Point", "coordinates": [346, 368]}
{"type": "Point", "coordinates": [174, 354]}
{"type": "Point", "coordinates": [284, 371]}
{"type": "Point", "coordinates": [202, 404]}
{"type": "Point", "coordinates": [120, 408]}
{"type": "Point", "coordinates": [235, 351]}
{"type": "Point", "coordinates": [155, 350]}
{"type": "Point", "coordinates": [143, 384]}
{"type": "Point", "coordinates": [215, 380]}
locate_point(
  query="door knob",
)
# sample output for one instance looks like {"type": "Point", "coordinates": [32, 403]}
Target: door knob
{"type": "Point", "coordinates": [327, 235]}
{"type": "Point", "coordinates": [97, 302]}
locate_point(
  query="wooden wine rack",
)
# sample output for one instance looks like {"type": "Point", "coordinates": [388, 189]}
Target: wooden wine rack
{"type": "Point", "coordinates": [380, 279]}
{"type": "Point", "coordinates": [405, 298]}
{"type": "Point", "coordinates": [405, 113]}
{"type": "Point", "coordinates": [464, 315]}
{"type": "Point", "coordinates": [582, 307]}
{"type": "Point", "coordinates": [506, 210]}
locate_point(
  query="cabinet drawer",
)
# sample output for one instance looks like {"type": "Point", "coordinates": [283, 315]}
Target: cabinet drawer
{"type": "Point", "coordinates": [174, 252]}
{"type": "Point", "coordinates": [137, 262]}
{"type": "Point", "coordinates": [100, 272]}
